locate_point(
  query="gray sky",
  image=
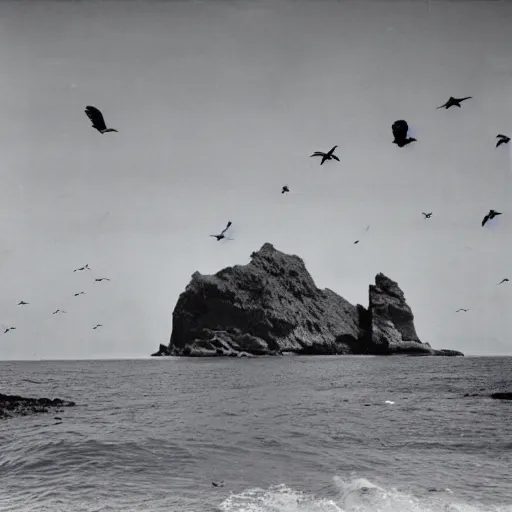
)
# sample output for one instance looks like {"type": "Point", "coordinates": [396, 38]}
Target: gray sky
{"type": "Point", "coordinates": [219, 104]}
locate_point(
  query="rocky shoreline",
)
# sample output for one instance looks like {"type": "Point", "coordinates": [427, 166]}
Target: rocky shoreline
{"type": "Point", "coordinates": [14, 405]}
{"type": "Point", "coordinates": [272, 306]}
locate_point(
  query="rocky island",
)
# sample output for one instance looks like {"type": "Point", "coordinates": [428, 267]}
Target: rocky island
{"type": "Point", "coordinates": [272, 306]}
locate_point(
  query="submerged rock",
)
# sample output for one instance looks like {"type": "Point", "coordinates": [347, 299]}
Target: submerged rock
{"type": "Point", "coordinates": [14, 405]}
{"type": "Point", "coordinates": [272, 305]}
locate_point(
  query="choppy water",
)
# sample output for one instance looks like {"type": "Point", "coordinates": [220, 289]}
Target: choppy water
{"type": "Point", "coordinates": [285, 434]}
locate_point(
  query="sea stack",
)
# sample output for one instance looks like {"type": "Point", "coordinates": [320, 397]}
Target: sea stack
{"type": "Point", "coordinates": [272, 306]}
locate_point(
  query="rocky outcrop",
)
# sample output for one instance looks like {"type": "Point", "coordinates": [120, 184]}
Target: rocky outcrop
{"type": "Point", "coordinates": [504, 395]}
{"type": "Point", "coordinates": [392, 320]}
{"type": "Point", "coordinates": [14, 405]}
{"type": "Point", "coordinates": [163, 350]}
{"type": "Point", "coordinates": [272, 305]}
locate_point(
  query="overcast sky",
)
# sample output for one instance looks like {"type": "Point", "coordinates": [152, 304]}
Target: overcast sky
{"type": "Point", "coordinates": [218, 105]}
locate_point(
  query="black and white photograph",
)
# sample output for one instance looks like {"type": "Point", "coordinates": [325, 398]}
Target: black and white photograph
{"type": "Point", "coordinates": [255, 256]}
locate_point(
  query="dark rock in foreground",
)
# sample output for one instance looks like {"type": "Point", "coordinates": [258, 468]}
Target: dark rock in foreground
{"type": "Point", "coordinates": [506, 395]}
{"type": "Point", "coordinates": [14, 405]}
{"type": "Point", "coordinates": [272, 305]}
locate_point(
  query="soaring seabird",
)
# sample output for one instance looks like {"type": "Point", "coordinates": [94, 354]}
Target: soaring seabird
{"type": "Point", "coordinates": [427, 215]}
{"type": "Point", "coordinates": [218, 484]}
{"type": "Point", "coordinates": [99, 279]}
{"type": "Point", "coordinates": [326, 156]}
{"type": "Point", "coordinates": [97, 119]}
{"type": "Point", "coordinates": [285, 189]}
{"type": "Point", "coordinates": [97, 325]}
{"type": "Point", "coordinates": [221, 236]}
{"type": "Point", "coordinates": [461, 309]}
{"type": "Point", "coordinates": [454, 102]}
{"type": "Point", "coordinates": [489, 216]}
{"type": "Point", "coordinates": [22, 303]}
{"type": "Point", "coordinates": [505, 280]}
{"type": "Point", "coordinates": [400, 129]}
{"type": "Point", "coordinates": [85, 267]}
{"type": "Point", "coordinates": [58, 311]}
{"type": "Point", "coordinates": [503, 139]}
{"type": "Point", "coordinates": [9, 329]}
{"type": "Point", "coordinates": [79, 293]}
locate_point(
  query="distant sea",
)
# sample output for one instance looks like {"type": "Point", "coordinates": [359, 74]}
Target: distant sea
{"type": "Point", "coordinates": [285, 434]}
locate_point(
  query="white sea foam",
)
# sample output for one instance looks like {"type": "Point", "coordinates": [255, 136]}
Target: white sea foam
{"type": "Point", "coordinates": [358, 495]}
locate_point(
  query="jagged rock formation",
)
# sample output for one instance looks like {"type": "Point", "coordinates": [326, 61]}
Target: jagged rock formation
{"type": "Point", "coordinates": [272, 305]}
{"type": "Point", "coordinates": [14, 405]}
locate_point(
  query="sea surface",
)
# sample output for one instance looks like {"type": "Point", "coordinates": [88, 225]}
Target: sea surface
{"type": "Point", "coordinates": [285, 434]}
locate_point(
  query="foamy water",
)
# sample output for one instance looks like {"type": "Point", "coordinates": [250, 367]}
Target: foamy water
{"type": "Point", "coordinates": [284, 434]}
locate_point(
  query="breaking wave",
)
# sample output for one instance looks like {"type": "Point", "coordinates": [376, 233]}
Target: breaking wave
{"type": "Point", "coordinates": [358, 495]}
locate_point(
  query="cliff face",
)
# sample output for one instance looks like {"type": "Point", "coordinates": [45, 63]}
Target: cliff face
{"type": "Point", "coordinates": [392, 320]}
{"type": "Point", "coordinates": [272, 305]}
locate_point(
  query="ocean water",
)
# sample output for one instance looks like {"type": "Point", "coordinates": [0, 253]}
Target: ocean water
{"type": "Point", "coordinates": [289, 434]}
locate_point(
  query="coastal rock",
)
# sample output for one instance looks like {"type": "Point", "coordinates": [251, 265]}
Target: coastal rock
{"type": "Point", "coordinates": [392, 320]}
{"type": "Point", "coordinates": [14, 405]}
{"type": "Point", "coordinates": [272, 306]}
{"type": "Point", "coordinates": [163, 350]}
{"type": "Point", "coordinates": [504, 395]}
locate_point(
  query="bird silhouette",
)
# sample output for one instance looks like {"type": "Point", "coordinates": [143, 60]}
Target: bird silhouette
{"type": "Point", "coordinates": [218, 484]}
{"type": "Point", "coordinates": [97, 325]}
{"type": "Point", "coordinates": [326, 156]}
{"type": "Point", "coordinates": [503, 139]}
{"type": "Point", "coordinates": [58, 311]}
{"type": "Point", "coordinates": [79, 293]}
{"type": "Point", "coordinates": [99, 279]}
{"type": "Point", "coordinates": [400, 129]}
{"type": "Point", "coordinates": [221, 236]}
{"type": "Point", "coordinates": [427, 215]}
{"type": "Point", "coordinates": [461, 309]}
{"type": "Point", "coordinates": [356, 242]}
{"type": "Point", "coordinates": [9, 329]}
{"type": "Point", "coordinates": [285, 189]}
{"type": "Point", "coordinates": [505, 280]}
{"type": "Point", "coordinates": [22, 303]}
{"type": "Point", "coordinates": [489, 216]}
{"type": "Point", "coordinates": [97, 120]}
{"type": "Point", "coordinates": [85, 267]}
{"type": "Point", "coordinates": [454, 102]}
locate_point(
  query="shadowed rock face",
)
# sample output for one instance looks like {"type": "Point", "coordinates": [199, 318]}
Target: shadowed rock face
{"type": "Point", "coordinates": [272, 305]}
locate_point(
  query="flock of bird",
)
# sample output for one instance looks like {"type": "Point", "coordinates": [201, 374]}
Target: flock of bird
{"type": "Point", "coordinates": [399, 129]}
{"type": "Point", "coordinates": [61, 311]}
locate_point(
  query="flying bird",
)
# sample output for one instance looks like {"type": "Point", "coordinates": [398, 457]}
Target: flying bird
{"type": "Point", "coordinates": [99, 279]}
{"type": "Point", "coordinates": [356, 242]}
{"type": "Point", "coordinates": [218, 484]}
{"type": "Point", "coordinates": [503, 139]}
{"type": "Point", "coordinates": [97, 325]}
{"type": "Point", "coordinates": [427, 215]}
{"type": "Point", "coordinates": [97, 119]}
{"type": "Point", "coordinates": [221, 236]}
{"type": "Point", "coordinates": [9, 329]}
{"type": "Point", "coordinates": [58, 311]}
{"type": "Point", "coordinates": [504, 281]}
{"type": "Point", "coordinates": [326, 156]}
{"type": "Point", "coordinates": [79, 293]}
{"type": "Point", "coordinates": [461, 309]}
{"type": "Point", "coordinates": [22, 303]}
{"type": "Point", "coordinates": [454, 102]}
{"type": "Point", "coordinates": [85, 267]}
{"type": "Point", "coordinates": [489, 216]}
{"type": "Point", "coordinates": [285, 189]}
{"type": "Point", "coordinates": [400, 129]}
